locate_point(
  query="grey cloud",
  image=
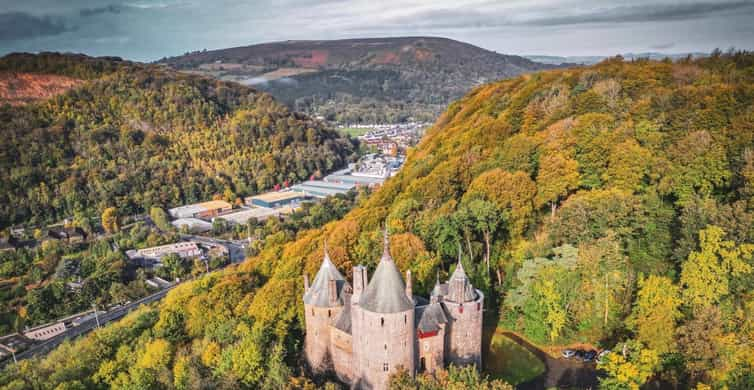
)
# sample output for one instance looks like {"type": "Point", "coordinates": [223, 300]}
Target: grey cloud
{"type": "Point", "coordinates": [492, 17]}
{"type": "Point", "coordinates": [663, 46]}
{"type": "Point", "coordinates": [20, 25]}
{"type": "Point", "coordinates": [647, 13]}
{"type": "Point", "coordinates": [110, 9]}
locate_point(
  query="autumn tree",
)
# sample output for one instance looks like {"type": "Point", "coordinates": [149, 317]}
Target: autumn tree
{"type": "Point", "coordinates": [630, 367]}
{"type": "Point", "coordinates": [558, 176]}
{"type": "Point", "coordinates": [110, 220]}
{"type": "Point", "coordinates": [656, 312]}
{"type": "Point", "coordinates": [708, 273]}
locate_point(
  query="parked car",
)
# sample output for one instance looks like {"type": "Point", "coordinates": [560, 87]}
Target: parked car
{"type": "Point", "coordinates": [568, 353]}
{"type": "Point", "coordinates": [589, 356]}
{"type": "Point", "coordinates": [579, 354]}
{"type": "Point", "coordinates": [602, 355]}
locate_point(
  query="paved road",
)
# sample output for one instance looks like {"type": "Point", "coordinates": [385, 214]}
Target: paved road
{"type": "Point", "coordinates": [236, 249]}
{"type": "Point", "coordinates": [112, 315]}
{"type": "Point", "coordinates": [560, 372]}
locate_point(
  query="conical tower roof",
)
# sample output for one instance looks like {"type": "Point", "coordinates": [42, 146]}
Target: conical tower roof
{"type": "Point", "coordinates": [318, 292]}
{"type": "Point", "coordinates": [459, 285]}
{"type": "Point", "coordinates": [386, 292]}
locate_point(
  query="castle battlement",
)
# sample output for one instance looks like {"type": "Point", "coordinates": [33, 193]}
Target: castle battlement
{"type": "Point", "coordinates": [367, 332]}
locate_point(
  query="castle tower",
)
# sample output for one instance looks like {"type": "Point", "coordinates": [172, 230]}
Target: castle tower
{"type": "Point", "coordinates": [383, 326]}
{"type": "Point", "coordinates": [323, 302]}
{"type": "Point", "coordinates": [464, 305]}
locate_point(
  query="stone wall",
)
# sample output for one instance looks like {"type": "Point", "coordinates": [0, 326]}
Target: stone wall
{"type": "Point", "coordinates": [317, 341]}
{"type": "Point", "coordinates": [383, 342]}
{"type": "Point", "coordinates": [342, 354]}
{"type": "Point", "coordinates": [464, 332]}
{"type": "Point", "coordinates": [431, 351]}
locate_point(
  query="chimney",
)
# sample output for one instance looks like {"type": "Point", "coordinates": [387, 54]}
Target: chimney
{"type": "Point", "coordinates": [409, 285]}
{"type": "Point", "coordinates": [306, 283]}
{"type": "Point", "coordinates": [332, 291]}
{"type": "Point", "coordinates": [359, 282]}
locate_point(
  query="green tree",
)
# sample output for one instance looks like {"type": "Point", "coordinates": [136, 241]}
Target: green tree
{"type": "Point", "coordinates": [160, 218]}
{"type": "Point", "coordinates": [174, 266]}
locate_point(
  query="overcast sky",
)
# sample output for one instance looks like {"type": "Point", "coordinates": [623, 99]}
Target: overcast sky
{"type": "Point", "coordinates": [147, 30]}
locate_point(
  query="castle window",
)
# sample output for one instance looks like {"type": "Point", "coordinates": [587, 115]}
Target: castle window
{"type": "Point", "coordinates": [329, 314]}
{"type": "Point", "coordinates": [478, 306]}
{"type": "Point", "coordinates": [382, 321]}
{"type": "Point", "coordinates": [385, 367]}
{"type": "Point", "coordinates": [386, 347]}
{"type": "Point", "coordinates": [405, 319]}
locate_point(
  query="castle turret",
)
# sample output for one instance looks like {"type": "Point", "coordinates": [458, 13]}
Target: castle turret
{"type": "Point", "coordinates": [323, 302]}
{"type": "Point", "coordinates": [383, 333]}
{"type": "Point", "coordinates": [464, 307]}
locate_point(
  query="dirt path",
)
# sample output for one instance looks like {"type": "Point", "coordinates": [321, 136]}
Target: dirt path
{"type": "Point", "coordinates": [560, 372]}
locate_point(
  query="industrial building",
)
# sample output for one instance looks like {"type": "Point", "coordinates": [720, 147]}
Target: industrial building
{"type": "Point", "coordinates": [276, 199]}
{"type": "Point", "coordinates": [182, 249]}
{"type": "Point", "coordinates": [194, 225]}
{"type": "Point", "coordinates": [201, 210]}
{"type": "Point", "coordinates": [322, 189]}
{"type": "Point", "coordinates": [244, 215]}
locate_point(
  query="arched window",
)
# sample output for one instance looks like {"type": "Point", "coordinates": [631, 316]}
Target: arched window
{"type": "Point", "coordinates": [329, 314]}
{"type": "Point", "coordinates": [382, 321]}
{"type": "Point", "coordinates": [405, 318]}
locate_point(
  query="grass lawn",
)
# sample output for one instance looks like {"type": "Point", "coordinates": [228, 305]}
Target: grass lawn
{"type": "Point", "coordinates": [511, 362]}
{"type": "Point", "coordinates": [353, 131]}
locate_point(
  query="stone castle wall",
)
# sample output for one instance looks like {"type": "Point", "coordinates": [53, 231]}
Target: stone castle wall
{"type": "Point", "coordinates": [383, 342]}
{"type": "Point", "coordinates": [430, 352]}
{"type": "Point", "coordinates": [317, 342]}
{"type": "Point", "coordinates": [464, 336]}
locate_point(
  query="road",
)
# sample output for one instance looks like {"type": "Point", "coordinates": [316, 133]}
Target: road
{"type": "Point", "coordinates": [559, 372]}
{"type": "Point", "coordinates": [112, 315]}
{"type": "Point", "coordinates": [236, 250]}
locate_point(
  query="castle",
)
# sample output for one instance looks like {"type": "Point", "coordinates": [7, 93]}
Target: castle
{"type": "Point", "coordinates": [368, 332]}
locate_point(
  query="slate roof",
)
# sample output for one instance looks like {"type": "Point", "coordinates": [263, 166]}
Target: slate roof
{"type": "Point", "coordinates": [343, 322]}
{"type": "Point", "coordinates": [386, 292]}
{"type": "Point", "coordinates": [469, 293]}
{"type": "Point", "coordinates": [318, 291]}
{"type": "Point", "coordinates": [430, 317]}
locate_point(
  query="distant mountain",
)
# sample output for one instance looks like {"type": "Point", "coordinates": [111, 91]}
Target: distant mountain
{"type": "Point", "coordinates": [360, 80]}
{"type": "Point", "coordinates": [590, 60]}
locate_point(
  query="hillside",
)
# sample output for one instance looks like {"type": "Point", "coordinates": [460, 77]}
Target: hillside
{"type": "Point", "coordinates": [133, 136]}
{"type": "Point", "coordinates": [609, 205]}
{"type": "Point", "coordinates": [360, 80]}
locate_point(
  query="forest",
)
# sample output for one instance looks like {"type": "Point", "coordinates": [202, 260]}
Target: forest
{"type": "Point", "coordinates": [611, 205]}
{"type": "Point", "coordinates": [136, 136]}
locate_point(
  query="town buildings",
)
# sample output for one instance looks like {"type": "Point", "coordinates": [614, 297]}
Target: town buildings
{"type": "Point", "coordinates": [184, 250]}
{"type": "Point", "coordinates": [366, 332]}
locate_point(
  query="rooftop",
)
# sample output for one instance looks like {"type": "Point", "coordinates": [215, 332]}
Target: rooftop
{"type": "Point", "coordinates": [277, 196]}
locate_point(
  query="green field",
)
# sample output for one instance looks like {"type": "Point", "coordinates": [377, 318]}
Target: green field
{"type": "Point", "coordinates": [511, 362]}
{"type": "Point", "coordinates": [353, 131]}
